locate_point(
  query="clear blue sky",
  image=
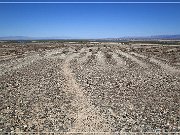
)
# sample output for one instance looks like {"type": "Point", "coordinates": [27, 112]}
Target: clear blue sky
{"type": "Point", "coordinates": [89, 20]}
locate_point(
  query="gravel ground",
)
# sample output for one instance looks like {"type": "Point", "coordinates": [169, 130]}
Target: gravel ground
{"type": "Point", "coordinates": [85, 89]}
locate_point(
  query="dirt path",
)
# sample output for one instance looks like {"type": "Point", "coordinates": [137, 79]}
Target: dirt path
{"type": "Point", "coordinates": [139, 55]}
{"type": "Point", "coordinates": [100, 58]}
{"type": "Point", "coordinates": [119, 60]}
{"type": "Point", "coordinates": [88, 119]}
{"type": "Point", "coordinates": [142, 64]}
{"type": "Point", "coordinates": [165, 66]}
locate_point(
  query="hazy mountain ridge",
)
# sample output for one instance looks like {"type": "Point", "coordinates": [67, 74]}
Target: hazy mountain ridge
{"type": "Point", "coordinates": [154, 37]}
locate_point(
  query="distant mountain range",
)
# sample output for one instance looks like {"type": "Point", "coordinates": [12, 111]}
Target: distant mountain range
{"type": "Point", "coordinates": [15, 38]}
{"type": "Point", "coordinates": [155, 37]}
{"type": "Point", "coordinates": [166, 37]}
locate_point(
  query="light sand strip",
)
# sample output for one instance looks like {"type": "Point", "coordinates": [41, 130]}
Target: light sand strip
{"type": "Point", "coordinates": [88, 119]}
{"type": "Point", "coordinates": [142, 64]}
{"type": "Point", "coordinates": [165, 66]}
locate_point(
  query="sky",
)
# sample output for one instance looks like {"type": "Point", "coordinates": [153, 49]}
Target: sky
{"type": "Point", "coordinates": [89, 20]}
